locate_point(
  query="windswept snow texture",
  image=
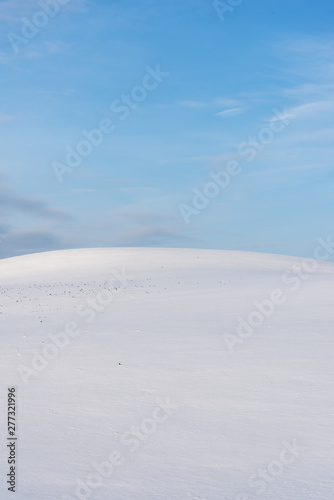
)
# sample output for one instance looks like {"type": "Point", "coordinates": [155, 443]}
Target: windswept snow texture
{"type": "Point", "coordinates": [156, 379]}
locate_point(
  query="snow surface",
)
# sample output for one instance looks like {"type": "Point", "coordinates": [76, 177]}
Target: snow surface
{"type": "Point", "coordinates": [163, 336]}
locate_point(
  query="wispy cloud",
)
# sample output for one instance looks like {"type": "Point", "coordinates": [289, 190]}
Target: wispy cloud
{"type": "Point", "coordinates": [226, 103]}
{"type": "Point", "coordinates": [150, 236]}
{"type": "Point", "coordinates": [310, 59]}
{"type": "Point", "coordinates": [264, 174]}
{"type": "Point", "coordinates": [227, 113]}
{"type": "Point", "coordinates": [5, 118]}
{"type": "Point", "coordinates": [66, 92]}
{"type": "Point", "coordinates": [324, 137]}
{"type": "Point", "coordinates": [12, 202]}
{"type": "Point", "coordinates": [218, 102]}
{"type": "Point", "coordinates": [312, 109]}
{"type": "Point", "coordinates": [310, 90]}
{"type": "Point", "coordinates": [146, 217]}
{"type": "Point", "coordinates": [13, 10]}
{"type": "Point", "coordinates": [138, 189]}
{"type": "Point", "coordinates": [20, 242]}
{"type": "Point", "coordinates": [23, 210]}
{"type": "Point", "coordinates": [144, 227]}
{"type": "Point", "coordinates": [315, 47]}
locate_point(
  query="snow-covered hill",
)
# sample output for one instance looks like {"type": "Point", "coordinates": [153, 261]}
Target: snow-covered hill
{"type": "Point", "coordinates": [146, 374]}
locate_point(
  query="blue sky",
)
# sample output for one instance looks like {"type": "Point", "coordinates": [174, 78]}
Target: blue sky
{"type": "Point", "coordinates": [225, 71]}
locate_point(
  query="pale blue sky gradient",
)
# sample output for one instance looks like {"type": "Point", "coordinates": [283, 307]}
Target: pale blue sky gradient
{"type": "Point", "coordinates": [225, 79]}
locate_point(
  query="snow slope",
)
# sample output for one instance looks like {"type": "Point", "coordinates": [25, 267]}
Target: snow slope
{"type": "Point", "coordinates": [136, 381]}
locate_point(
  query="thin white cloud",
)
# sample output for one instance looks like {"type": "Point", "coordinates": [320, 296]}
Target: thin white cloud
{"type": "Point", "coordinates": [163, 106]}
{"type": "Point", "coordinates": [150, 235]}
{"type": "Point", "coordinates": [65, 92]}
{"type": "Point", "coordinates": [86, 190]}
{"type": "Point", "coordinates": [12, 11]}
{"type": "Point", "coordinates": [136, 189]}
{"type": "Point", "coordinates": [309, 58]}
{"type": "Point", "coordinates": [226, 103]}
{"type": "Point", "coordinates": [218, 102]}
{"type": "Point", "coordinates": [227, 113]}
{"type": "Point", "coordinates": [313, 90]}
{"type": "Point", "coordinates": [311, 109]}
{"type": "Point", "coordinates": [196, 159]}
{"type": "Point", "coordinates": [5, 118]}
{"type": "Point", "coordinates": [284, 170]}
{"type": "Point", "coordinates": [320, 138]}
{"type": "Point", "coordinates": [318, 47]}
{"type": "Point", "coordinates": [308, 110]}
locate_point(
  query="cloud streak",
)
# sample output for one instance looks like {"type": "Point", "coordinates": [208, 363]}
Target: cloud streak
{"type": "Point", "coordinates": [10, 202]}
{"type": "Point", "coordinates": [233, 105]}
{"type": "Point", "coordinates": [230, 112]}
{"type": "Point", "coordinates": [22, 240]}
{"type": "Point", "coordinates": [151, 236]}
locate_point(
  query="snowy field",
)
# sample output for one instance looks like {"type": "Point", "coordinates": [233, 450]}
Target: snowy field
{"type": "Point", "coordinates": [148, 374]}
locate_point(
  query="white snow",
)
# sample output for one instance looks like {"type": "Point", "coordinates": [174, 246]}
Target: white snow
{"type": "Point", "coordinates": [163, 333]}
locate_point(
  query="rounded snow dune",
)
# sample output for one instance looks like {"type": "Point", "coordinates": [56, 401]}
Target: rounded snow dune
{"type": "Point", "coordinates": [172, 374]}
